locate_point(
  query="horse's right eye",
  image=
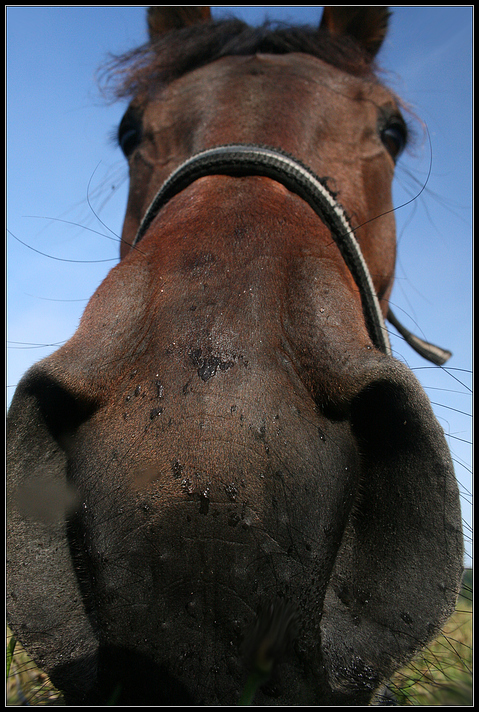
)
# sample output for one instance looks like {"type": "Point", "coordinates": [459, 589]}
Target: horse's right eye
{"type": "Point", "coordinates": [129, 133]}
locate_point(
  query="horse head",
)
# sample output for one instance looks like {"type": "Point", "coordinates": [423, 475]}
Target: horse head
{"type": "Point", "coordinates": [225, 469]}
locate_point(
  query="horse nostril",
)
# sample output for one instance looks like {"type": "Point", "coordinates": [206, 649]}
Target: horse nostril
{"type": "Point", "coordinates": [57, 408]}
{"type": "Point", "coordinates": [381, 416]}
{"type": "Point", "coordinates": [45, 414]}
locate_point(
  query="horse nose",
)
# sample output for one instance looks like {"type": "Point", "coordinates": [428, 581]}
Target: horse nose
{"type": "Point", "coordinates": [395, 569]}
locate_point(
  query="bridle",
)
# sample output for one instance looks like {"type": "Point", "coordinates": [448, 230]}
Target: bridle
{"type": "Point", "coordinates": [252, 160]}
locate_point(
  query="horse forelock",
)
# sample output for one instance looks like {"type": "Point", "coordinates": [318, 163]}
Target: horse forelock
{"type": "Point", "coordinates": [142, 71]}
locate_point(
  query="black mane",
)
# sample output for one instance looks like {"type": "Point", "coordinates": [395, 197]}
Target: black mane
{"type": "Point", "coordinates": [140, 72]}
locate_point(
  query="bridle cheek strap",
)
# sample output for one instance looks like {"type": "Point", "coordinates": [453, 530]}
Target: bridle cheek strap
{"type": "Point", "coordinates": [429, 351]}
{"type": "Point", "coordinates": [252, 160]}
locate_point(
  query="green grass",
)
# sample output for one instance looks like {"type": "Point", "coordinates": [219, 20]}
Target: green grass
{"type": "Point", "coordinates": [26, 684]}
{"type": "Point", "coordinates": [442, 673]}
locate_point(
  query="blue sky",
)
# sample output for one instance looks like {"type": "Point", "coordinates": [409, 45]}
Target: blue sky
{"type": "Point", "coordinates": [63, 166]}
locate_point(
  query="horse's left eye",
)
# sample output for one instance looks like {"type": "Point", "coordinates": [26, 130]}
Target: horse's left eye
{"type": "Point", "coordinates": [394, 138]}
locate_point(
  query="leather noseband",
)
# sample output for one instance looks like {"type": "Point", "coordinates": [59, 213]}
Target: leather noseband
{"type": "Point", "coordinates": [252, 160]}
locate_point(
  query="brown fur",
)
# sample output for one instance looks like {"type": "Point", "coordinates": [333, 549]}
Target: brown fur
{"type": "Point", "coordinates": [238, 476]}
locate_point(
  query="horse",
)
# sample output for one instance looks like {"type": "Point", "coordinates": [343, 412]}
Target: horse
{"type": "Point", "coordinates": [225, 475]}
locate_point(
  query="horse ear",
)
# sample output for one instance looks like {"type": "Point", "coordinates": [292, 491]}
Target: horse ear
{"type": "Point", "coordinates": [162, 18]}
{"type": "Point", "coordinates": [367, 25]}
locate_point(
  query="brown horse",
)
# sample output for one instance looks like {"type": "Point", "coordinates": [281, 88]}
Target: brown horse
{"type": "Point", "coordinates": [224, 472]}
